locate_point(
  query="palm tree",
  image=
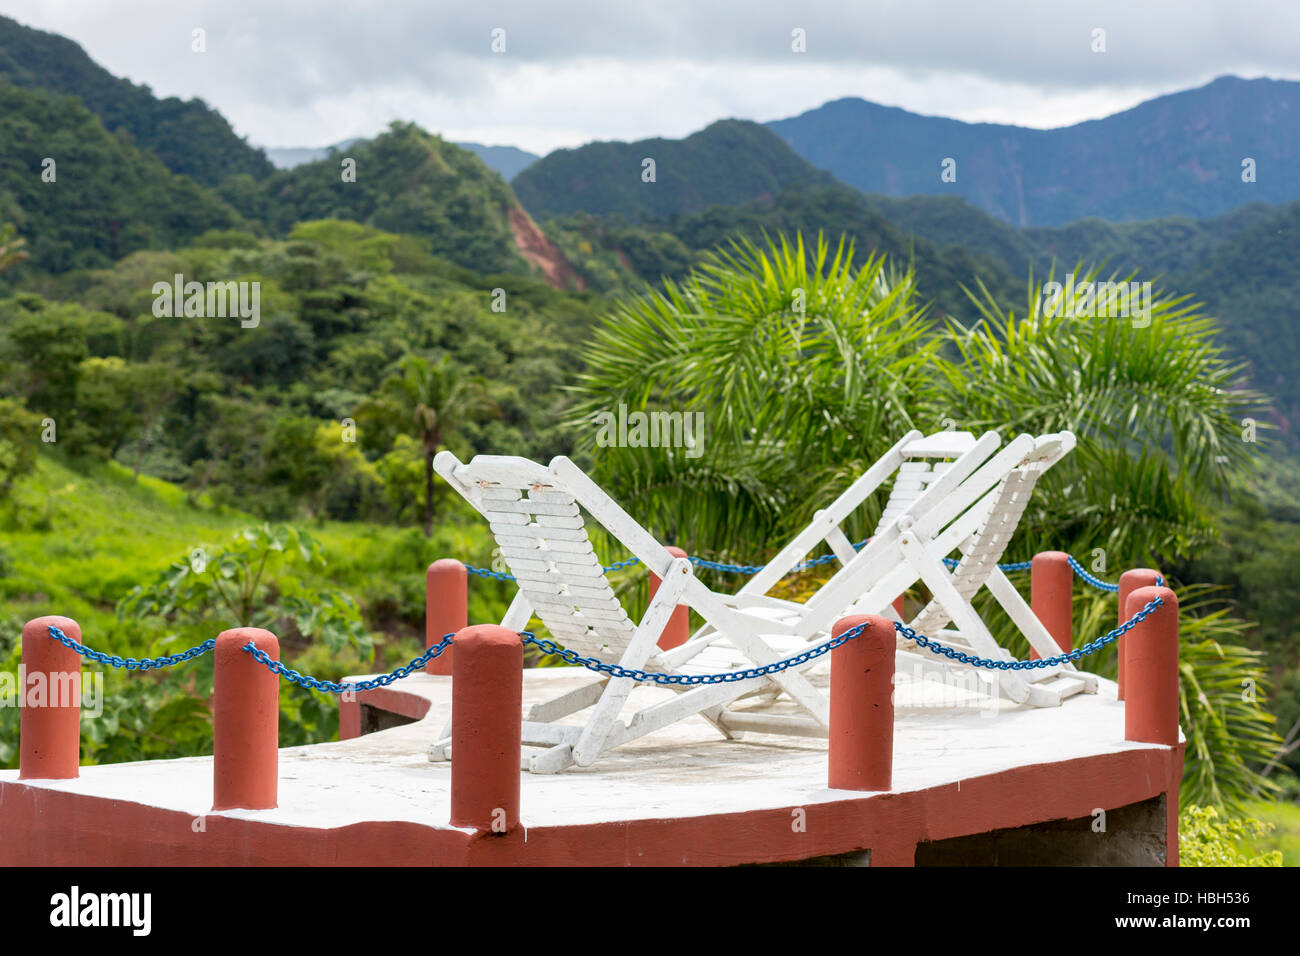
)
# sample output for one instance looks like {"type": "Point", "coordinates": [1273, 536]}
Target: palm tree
{"type": "Point", "coordinates": [12, 245]}
{"type": "Point", "coordinates": [801, 366]}
{"type": "Point", "coordinates": [428, 399]}
{"type": "Point", "coordinates": [1155, 403]}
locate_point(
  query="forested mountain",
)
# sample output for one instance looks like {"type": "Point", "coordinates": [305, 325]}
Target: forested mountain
{"type": "Point", "coordinates": [407, 181]}
{"type": "Point", "coordinates": [729, 162]}
{"type": "Point", "coordinates": [210, 401]}
{"type": "Point", "coordinates": [187, 135]}
{"type": "Point", "coordinates": [1176, 155]}
{"type": "Point", "coordinates": [1239, 265]}
{"type": "Point", "coordinates": [109, 198]}
{"type": "Point", "coordinates": [609, 252]}
{"type": "Point", "coordinates": [102, 198]}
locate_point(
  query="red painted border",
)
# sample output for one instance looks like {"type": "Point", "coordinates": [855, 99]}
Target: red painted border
{"type": "Point", "coordinates": [383, 698]}
{"type": "Point", "coordinates": [45, 827]}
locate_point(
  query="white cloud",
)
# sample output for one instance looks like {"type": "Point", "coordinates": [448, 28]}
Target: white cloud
{"type": "Point", "coordinates": [296, 72]}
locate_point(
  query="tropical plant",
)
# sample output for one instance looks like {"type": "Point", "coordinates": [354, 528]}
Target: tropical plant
{"type": "Point", "coordinates": [232, 586]}
{"type": "Point", "coordinates": [428, 399]}
{"type": "Point", "coordinates": [1208, 838]}
{"type": "Point", "coordinates": [1154, 401]}
{"type": "Point", "coordinates": [1222, 688]}
{"type": "Point", "coordinates": [801, 367]}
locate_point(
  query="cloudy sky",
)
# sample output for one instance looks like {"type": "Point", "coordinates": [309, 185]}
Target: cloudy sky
{"type": "Point", "coordinates": [313, 72]}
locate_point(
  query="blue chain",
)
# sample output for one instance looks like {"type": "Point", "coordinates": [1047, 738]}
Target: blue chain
{"type": "Point", "coordinates": [302, 680]}
{"type": "Point", "coordinates": [614, 670]}
{"type": "Point", "coordinates": [1090, 648]}
{"type": "Point", "coordinates": [1084, 576]}
{"type": "Point", "coordinates": [488, 573]}
{"type": "Point", "coordinates": [727, 677]}
{"type": "Point", "coordinates": [133, 663]}
{"type": "Point", "coordinates": [551, 648]}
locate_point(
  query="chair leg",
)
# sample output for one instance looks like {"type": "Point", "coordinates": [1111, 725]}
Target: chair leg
{"type": "Point", "coordinates": [714, 716]}
{"type": "Point", "coordinates": [552, 760]}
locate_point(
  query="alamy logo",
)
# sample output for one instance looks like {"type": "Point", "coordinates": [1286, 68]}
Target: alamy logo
{"type": "Point", "coordinates": [103, 909]}
{"type": "Point", "coordinates": [39, 689]}
{"type": "Point", "coordinates": [213, 300]}
{"type": "Point", "coordinates": [651, 430]}
{"type": "Point", "coordinates": [1099, 300]}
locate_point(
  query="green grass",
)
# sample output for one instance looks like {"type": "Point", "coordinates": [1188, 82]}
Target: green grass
{"type": "Point", "coordinates": [1285, 818]}
{"type": "Point", "coordinates": [74, 541]}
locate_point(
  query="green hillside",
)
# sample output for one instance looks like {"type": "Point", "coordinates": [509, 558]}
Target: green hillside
{"type": "Point", "coordinates": [187, 135]}
{"type": "Point", "coordinates": [729, 162]}
{"type": "Point", "coordinates": [613, 255]}
{"type": "Point", "coordinates": [238, 408]}
{"type": "Point", "coordinates": [1238, 264]}
{"type": "Point", "coordinates": [79, 536]}
{"type": "Point", "coordinates": [407, 181]}
{"type": "Point", "coordinates": [1162, 246]}
{"type": "Point", "coordinates": [108, 198]}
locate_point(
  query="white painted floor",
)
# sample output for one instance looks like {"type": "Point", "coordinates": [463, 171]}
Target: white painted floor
{"type": "Point", "coordinates": [942, 735]}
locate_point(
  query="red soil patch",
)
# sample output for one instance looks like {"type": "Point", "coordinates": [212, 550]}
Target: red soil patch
{"type": "Point", "coordinates": [542, 253]}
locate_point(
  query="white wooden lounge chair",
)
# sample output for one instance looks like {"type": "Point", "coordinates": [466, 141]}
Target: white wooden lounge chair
{"type": "Point", "coordinates": [534, 514]}
{"type": "Point", "coordinates": [948, 496]}
{"type": "Point", "coordinates": [915, 463]}
{"type": "Point", "coordinates": [979, 535]}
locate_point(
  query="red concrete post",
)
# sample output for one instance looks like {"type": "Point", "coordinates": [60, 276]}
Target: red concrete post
{"type": "Point", "coordinates": [861, 755]}
{"type": "Point", "coordinates": [1151, 711]}
{"type": "Point", "coordinates": [1129, 582]}
{"type": "Point", "coordinates": [678, 628]}
{"type": "Point", "coordinates": [245, 722]}
{"type": "Point", "coordinates": [1051, 596]}
{"type": "Point", "coordinates": [446, 608]}
{"type": "Point", "coordinates": [49, 724]}
{"type": "Point", "coordinates": [487, 691]}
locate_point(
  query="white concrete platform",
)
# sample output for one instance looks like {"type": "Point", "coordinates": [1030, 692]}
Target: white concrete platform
{"type": "Point", "coordinates": [943, 735]}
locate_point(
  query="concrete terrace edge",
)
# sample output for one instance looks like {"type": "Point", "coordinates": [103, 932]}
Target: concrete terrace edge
{"type": "Point", "coordinates": [43, 826]}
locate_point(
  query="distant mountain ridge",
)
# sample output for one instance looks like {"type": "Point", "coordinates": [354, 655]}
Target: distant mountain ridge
{"type": "Point", "coordinates": [1179, 154]}
{"type": "Point", "coordinates": [287, 157]}
{"type": "Point", "coordinates": [726, 163]}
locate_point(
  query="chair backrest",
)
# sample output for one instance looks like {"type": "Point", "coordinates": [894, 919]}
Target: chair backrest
{"type": "Point", "coordinates": [542, 536]}
{"type": "Point", "coordinates": [1004, 506]}
{"type": "Point", "coordinates": [924, 461]}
